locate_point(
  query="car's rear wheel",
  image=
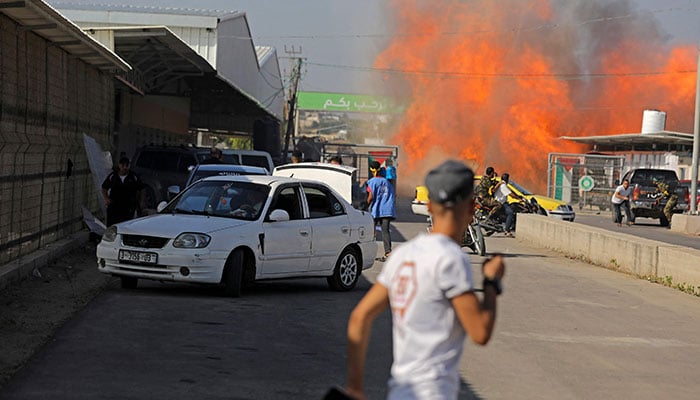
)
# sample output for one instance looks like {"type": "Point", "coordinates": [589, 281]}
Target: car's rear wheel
{"type": "Point", "coordinates": [233, 274]}
{"type": "Point", "coordinates": [129, 282]}
{"type": "Point", "coordinates": [347, 271]}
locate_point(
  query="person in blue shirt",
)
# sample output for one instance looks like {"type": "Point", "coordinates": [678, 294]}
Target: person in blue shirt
{"type": "Point", "coordinates": [390, 172]}
{"type": "Point", "coordinates": [381, 200]}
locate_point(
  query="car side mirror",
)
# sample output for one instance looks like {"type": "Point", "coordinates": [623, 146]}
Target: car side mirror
{"type": "Point", "coordinates": [161, 206]}
{"type": "Point", "coordinates": [279, 215]}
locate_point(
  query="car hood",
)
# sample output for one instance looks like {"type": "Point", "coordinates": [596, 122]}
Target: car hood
{"type": "Point", "coordinates": [168, 225]}
{"type": "Point", "coordinates": [545, 202]}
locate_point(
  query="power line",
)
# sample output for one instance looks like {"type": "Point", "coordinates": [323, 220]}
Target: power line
{"type": "Point", "coordinates": [546, 26]}
{"type": "Point", "coordinates": [480, 75]}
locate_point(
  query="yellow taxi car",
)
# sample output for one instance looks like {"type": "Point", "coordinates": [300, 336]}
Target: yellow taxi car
{"type": "Point", "coordinates": [553, 207]}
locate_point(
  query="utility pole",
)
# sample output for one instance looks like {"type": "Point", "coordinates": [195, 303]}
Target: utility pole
{"type": "Point", "coordinates": [696, 146]}
{"type": "Point", "coordinates": [296, 73]}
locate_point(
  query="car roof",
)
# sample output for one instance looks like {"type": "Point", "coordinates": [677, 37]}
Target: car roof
{"type": "Point", "coordinates": [259, 179]}
{"type": "Point", "coordinates": [232, 168]}
{"type": "Point", "coordinates": [346, 169]}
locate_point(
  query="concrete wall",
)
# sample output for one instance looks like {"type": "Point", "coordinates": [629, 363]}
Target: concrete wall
{"type": "Point", "coordinates": [618, 251]}
{"type": "Point", "coordinates": [48, 99]}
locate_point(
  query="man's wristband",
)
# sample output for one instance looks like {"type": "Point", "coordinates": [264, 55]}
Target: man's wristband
{"type": "Point", "coordinates": [495, 283]}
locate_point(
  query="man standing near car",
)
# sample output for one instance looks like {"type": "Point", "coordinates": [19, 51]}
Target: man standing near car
{"type": "Point", "coordinates": [381, 199]}
{"type": "Point", "coordinates": [121, 191]}
{"type": "Point", "coordinates": [621, 198]}
{"type": "Point", "coordinates": [427, 283]}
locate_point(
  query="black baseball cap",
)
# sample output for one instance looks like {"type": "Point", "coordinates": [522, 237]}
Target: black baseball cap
{"type": "Point", "coordinates": [449, 183]}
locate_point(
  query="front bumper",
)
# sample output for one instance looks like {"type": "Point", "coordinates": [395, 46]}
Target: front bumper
{"type": "Point", "coordinates": [178, 265]}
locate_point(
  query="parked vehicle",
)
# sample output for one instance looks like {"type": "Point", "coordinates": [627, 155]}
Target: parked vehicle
{"type": "Point", "coordinates": [234, 230]}
{"type": "Point", "coordinates": [206, 170]}
{"type": "Point", "coordinates": [686, 184]}
{"type": "Point", "coordinates": [646, 202]}
{"type": "Point", "coordinates": [254, 158]}
{"type": "Point", "coordinates": [162, 166]}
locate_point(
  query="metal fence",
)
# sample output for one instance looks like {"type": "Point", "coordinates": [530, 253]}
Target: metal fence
{"type": "Point", "coordinates": [566, 170]}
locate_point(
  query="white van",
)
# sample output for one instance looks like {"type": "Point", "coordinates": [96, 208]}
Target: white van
{"type": "Point", "coordinates": [255, 158]}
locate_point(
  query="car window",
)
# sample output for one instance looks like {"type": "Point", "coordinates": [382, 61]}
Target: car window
{"type": "Point", "coordinates": [164, 160]}
{"type": "Point", "coordinates": [255, 161]}
{"type": "Point", "coordinates": [520, 188]}
{"type": "Point", "coordinates": [145, 159]}
{"type": "Point", "coordinates": [322, 203]}
{"type": "Point", "coordinates": [287, 199]}
{"type": "Point", "coordinates": [241, 200]}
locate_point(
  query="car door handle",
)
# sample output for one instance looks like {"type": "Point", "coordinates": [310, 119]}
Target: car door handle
{"type": "Point", "coordinates": [304, 233]}
{"type": "Point", "coordinates": [345, 229]}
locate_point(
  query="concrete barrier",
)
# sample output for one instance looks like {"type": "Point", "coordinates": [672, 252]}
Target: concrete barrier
{"type": "Point", "coordinates": [685, 223]}
{"type": "Point", "coordinates": [649, 259]}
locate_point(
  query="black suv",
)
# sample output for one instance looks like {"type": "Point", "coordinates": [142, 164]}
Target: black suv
{"type": "Point", "coordinates": [163, 166]}
{"type": "Point", "coordinates": [646, 202]}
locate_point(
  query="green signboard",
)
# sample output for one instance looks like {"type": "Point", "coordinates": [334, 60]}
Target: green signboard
{"type": "Point", "coordinates": [342, 102]}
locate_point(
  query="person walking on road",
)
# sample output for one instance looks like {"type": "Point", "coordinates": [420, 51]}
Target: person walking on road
{"type": "Point", "coordinates": [428, 284]}
{"type": "Point", "coordinates": [121, 191]}
{"type": "Point", "coordinates": [381, 199]}
{"type": "Point", "coordinates": [621, 199]}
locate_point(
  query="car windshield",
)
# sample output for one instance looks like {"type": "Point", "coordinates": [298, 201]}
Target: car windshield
{"type": "Point", "coordinates": [520, 188]}
{"type": "Point", "coordinates": [241, 200]}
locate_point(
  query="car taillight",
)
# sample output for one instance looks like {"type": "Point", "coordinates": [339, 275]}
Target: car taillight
{"type": "Point", "coordinates": [635, 193]}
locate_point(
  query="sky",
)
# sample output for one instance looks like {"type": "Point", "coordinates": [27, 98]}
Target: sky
{"type": "Point", "coordinates": [334, 36]}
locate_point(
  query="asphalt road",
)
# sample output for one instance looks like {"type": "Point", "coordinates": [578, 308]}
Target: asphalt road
{"type": "Point", "coordinates": [565, 330]}
{"type": "Point", "coordinates": [644, 227]}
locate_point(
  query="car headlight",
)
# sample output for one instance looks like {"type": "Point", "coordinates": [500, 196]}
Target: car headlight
{"type": "Point", "coordinates": [192, 240]}
{"type": "Point", "coordinates": [110, 234]}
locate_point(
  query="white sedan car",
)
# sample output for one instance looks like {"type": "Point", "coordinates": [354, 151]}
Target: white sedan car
{"type": "Point", "coordinates": [237, 229]}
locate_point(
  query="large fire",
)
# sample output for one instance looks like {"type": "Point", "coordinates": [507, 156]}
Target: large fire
{"type": "Point", "coordinates": [497, 82]}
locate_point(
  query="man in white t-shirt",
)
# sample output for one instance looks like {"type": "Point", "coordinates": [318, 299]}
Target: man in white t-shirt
{"type": "Point", "coordinates": [501, 194]}
{"type": "Point", "coordinates": [621, 198]}
{"type": "Point", "coordinates": [428, 284]}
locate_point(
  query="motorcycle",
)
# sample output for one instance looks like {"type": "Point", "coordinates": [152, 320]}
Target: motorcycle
{"type": "Point", "coordinates": [473, 236]}
{"type": "Point", "coordinates": [496, 223]}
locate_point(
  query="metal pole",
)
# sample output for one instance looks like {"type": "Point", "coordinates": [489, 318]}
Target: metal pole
{"type": "Point", "coordinates": [696, 146]}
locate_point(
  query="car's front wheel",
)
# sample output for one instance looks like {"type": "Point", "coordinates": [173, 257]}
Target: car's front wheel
{"type": "Point", "coordinates": [347, 271]}
{"type": "Point", "coordinates": [233, 274]}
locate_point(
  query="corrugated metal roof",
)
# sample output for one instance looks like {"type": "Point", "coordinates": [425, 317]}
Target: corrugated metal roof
{"type": "Point", "coordinates": [42, 19]}
{"type": "Point", "coordinates": [262, 52]}
{"type": "Point", "coordinates": [144, 9]}
{"type": "Point", "coordinates": [666, 137]}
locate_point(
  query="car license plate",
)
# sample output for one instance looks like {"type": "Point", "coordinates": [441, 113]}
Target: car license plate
{"type": "Point", "coordinates": [138, 257]}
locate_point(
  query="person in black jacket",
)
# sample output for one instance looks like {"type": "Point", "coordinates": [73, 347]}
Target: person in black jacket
{"type": "Point", "coordinates": [121, 191]}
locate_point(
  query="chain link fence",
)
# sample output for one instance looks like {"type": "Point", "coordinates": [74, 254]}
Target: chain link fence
{"type": "Point", "coordinates": [566, 170]}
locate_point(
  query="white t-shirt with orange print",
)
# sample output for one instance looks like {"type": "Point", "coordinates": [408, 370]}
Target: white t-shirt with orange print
{"type": "Point", "coordinates": [422, 276]}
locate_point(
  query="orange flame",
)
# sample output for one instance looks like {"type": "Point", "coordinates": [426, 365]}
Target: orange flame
{"type": "Point", "coordinates": [498, 82]}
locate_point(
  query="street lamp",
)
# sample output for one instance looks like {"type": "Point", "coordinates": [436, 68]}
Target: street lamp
{"type": "Point", "coordinates": [696, 145]}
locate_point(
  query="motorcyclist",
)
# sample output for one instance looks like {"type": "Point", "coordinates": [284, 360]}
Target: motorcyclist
{"type": "Point", "coordinates": [501, 193]}
{"type": "Point", "coordinates": [485, 191]}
